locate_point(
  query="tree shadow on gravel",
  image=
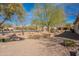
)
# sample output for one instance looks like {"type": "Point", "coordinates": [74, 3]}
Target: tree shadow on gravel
{"type": "Point", "coordinates": [69, 35]}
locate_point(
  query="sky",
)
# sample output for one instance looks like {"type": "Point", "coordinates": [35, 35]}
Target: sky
{"type": "Point", "coordinates": [28, 7]}
{"type": "Point", "coordinates": [71, 10]}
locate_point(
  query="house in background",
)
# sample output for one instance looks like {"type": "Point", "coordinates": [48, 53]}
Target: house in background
{"type": "Point", "coordinates": [76, 25]}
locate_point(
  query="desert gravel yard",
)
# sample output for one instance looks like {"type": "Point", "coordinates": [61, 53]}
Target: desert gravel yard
{"type": "Point", "coordinates": [31, 47]}
{"type": "Point", "coordinates": [38, 47]}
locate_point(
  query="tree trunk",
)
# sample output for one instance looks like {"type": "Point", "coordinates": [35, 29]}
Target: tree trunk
{"type": "Point", "coordinates": [48, 28]}
{"type": "Point", "coordinates": [3, 32]}
{"type": "Point", "coordinates": [36, 27]}
{"type": "Point", "coordinates": [2, 24]}
{"type": "Point", "coordinates": [22, 31]}
{"type": "Point", "coordinates": [42, 28]}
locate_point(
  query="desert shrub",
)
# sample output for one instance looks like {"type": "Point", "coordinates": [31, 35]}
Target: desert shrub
{"type": "Point", "coordinates": [69, 43]}
{"type": "Point", "coordinates": [13, 38]}
{"type": "Point", "coordinates": [46, 35]}
{"type": "Point", "coordinates": [34, 36]}
{"type": "Point", "coordinates": [52, 30]}
{"type": "Point", "coordinates": [0, 40]}
{"type": "Point", "coordinates": [5, 40]}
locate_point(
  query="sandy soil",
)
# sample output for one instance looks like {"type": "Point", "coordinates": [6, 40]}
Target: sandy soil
{"type": "Point", "coordinates": [32, 47]}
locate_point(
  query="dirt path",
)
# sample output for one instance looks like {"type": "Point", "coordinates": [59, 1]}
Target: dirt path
{"type": "Point", "coordinates": [31, 47]}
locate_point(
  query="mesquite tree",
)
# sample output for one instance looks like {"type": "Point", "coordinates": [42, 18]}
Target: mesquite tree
{"type": "Point", "coordinates": [49, 14]}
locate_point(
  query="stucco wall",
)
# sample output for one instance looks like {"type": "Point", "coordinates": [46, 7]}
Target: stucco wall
{"type": "Point", "coordinates": [76, 28]}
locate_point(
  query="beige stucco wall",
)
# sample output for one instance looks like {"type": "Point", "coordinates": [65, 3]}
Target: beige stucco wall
{"type": "Point", "coordinates": [76, 28]}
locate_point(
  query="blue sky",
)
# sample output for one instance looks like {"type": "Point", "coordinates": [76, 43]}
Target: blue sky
{"type": "Point", "coordinates": [70, 11]}
{"type": "Point", "coordinates": [28, 7]}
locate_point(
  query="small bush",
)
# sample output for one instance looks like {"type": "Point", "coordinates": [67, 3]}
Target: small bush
{"type": "Point", "coordinates": [69, 43]}
{"type": "Point", "coordinates": [34, 36]}
{"type": "Point", "coordinates": [10, 39]}
{"type": "Point", "coordinates": [46, 35]}
{"type": "Point", "coordinates": [0, 40]}
{"type": "Point", "coordinates": [5, 40]}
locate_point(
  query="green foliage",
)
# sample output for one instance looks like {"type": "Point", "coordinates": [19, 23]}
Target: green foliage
{"type": "Point", "coordinates": [8, 10]}
{"type": "Point", "coordinates": [39, 14]}
{"type": "Point", "coordinates": [36, 22]}
{"type": "Point", "coordinates": [5, 40]}
{"type": "Point", "coordinates": [54, 14]}
{"type": "Point", "coordinates": [69, 43]}
{"type": "Point", "coordinates": [31, 27]}
{"type": "Point", "coordinates": [7, 25]}
{"type": "Point", "coordinates": [49, 14]}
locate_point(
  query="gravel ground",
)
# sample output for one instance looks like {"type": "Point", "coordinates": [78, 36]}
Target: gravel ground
{"type": "Point", "coordinates": [31, 47]}
{"type": "Point", "coordinates": [38, 47]}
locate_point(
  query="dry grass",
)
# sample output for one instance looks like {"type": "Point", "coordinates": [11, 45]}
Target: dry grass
{"type": "Point", "coordinates": [40, 35]}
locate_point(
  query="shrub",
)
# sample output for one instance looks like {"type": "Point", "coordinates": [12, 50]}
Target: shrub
{"type": "Point", "coordinates": [46, 35]}
{"type": "Point", "coordinates": [69, 43]}
{"type": "Point", "coordinates": [5, 40]}
{"type": "Point", "coordinates": [34, 36]}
